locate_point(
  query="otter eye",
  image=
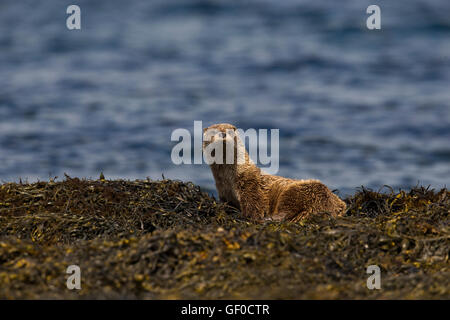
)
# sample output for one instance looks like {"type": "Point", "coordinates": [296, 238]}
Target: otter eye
{"type": "Point", "coordinates": [222, 135]}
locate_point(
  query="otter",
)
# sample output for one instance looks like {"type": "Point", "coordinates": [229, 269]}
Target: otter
{"type": "Point", "coordinates": [258, 195]}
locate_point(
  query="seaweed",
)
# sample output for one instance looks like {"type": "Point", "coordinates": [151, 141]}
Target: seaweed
{"type": "Point", "coordinates": [168, 239]}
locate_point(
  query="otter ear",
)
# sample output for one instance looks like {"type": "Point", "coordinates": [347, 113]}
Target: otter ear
{"type": "Point", "coordinates": [204, 130]}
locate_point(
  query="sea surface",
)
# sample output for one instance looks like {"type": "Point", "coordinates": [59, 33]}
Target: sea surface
{"type": "Point", "coordinates": [354, 106]}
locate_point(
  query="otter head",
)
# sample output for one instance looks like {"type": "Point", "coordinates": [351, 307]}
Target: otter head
{"type": "Point", "coordinates": [219, 144]}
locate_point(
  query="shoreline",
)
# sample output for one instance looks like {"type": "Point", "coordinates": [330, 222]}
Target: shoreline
{"type": "Point", "coordinates": [167, 239]}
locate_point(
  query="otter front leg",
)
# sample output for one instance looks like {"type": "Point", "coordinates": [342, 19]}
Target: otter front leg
{"type": "Point", "coordinates": [251, 200]}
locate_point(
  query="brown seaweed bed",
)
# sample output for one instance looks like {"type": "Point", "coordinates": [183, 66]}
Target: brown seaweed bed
{"type": "Point", "coordinates": [169, 240]}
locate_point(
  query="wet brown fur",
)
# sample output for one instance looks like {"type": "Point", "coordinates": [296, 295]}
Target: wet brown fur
{"type": "Point", "coordinates": [262, 196]}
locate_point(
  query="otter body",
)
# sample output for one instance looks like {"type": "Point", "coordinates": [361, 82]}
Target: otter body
{"type": "Point", "coordinates": [259, 195]}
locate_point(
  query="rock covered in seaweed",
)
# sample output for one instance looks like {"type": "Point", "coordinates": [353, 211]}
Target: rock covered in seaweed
{"type": "Point", "coordinates": [168, 239]}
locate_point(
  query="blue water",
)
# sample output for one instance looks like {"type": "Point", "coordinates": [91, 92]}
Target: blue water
{"type": "Point", "coordinates": [354, 107]}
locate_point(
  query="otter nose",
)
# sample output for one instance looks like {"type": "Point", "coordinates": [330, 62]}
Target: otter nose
{"type": "Point", "coordinates": [222, 135]}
